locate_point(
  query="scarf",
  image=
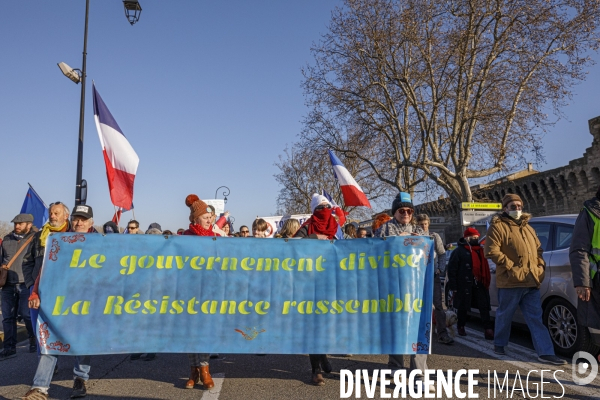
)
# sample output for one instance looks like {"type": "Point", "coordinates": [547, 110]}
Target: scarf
{"type": "Point", "coordinates": [481, 268]}
{"type": "Point", "coordinates": [322, 222]}
{"type": "Point", "coordinates": [46, 229]}
{"type": "Point", "coordinates": [197, 230]}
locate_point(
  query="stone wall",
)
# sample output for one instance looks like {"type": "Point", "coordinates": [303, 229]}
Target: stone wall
{"type": "Point", "coordinates": [557, 191]}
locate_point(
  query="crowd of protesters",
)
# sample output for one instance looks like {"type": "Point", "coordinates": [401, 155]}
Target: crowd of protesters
{"type": "Point", "coordinates": [511, 243]}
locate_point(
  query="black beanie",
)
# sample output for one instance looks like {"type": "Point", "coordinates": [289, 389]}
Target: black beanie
{"type": "Point", "coordinates": [112, 227]}
{"type": "Point", "coordinates": [401, 201]}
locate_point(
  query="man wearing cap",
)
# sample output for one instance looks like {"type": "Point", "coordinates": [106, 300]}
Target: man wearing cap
{"type": "Point", "coordinates": [14, 250]}
{"type": "Point", "coordinates": [403, 224]}
{"type": "Point", "coordinates": [520, 268]}
{"type": "Point", "coordinates": [82, 221]}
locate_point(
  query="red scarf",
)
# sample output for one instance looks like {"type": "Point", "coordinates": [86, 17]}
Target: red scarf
{"type": "Point", "coordinates": [322, 223]}
{"type": "Point", "coordinates": [481, 268]}
{"type": "Point", "coordinates": [197, 230]}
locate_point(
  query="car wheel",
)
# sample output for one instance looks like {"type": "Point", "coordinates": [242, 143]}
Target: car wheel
{"type": "Point", "coordinates": [568, 337]}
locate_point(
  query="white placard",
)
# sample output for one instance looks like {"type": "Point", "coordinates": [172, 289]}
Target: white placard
{"type": "Point", "coordinates": [218, 204]}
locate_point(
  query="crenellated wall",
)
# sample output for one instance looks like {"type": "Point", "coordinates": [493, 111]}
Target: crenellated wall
{"type": "Point", "coordinates": [557, 191]}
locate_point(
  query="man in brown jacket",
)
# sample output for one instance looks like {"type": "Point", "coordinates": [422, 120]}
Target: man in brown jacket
{"type": "Point", "coordinates": [516, 250]}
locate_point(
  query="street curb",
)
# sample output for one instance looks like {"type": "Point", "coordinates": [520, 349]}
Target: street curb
{"type": "Point", "coordinates": [21, 334]}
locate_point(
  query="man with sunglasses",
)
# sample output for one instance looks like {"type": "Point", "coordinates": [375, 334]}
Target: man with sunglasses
{"type": "Point", "coordinates": [244, 231]}
{"type": "Point", "coordinates": [520, 268]}
{"type": "Point", "coordinates": [133, 227]}
{"type": "Point", "coordinates": [403, 224]}
{"type": "Point", "coordinates": [82, 221]}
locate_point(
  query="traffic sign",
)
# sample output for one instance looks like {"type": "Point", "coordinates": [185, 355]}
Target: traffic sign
{"type": "Point", "coordinates": [481, 206]}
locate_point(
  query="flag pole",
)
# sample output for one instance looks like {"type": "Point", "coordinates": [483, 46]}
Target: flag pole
{"type": "Point", "coordinates": [133, 212]}
{"type": "Point", "coordinates": [118, 216]}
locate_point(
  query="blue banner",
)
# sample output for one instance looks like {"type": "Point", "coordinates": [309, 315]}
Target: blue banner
{"type": "Point", "coordinates": [187, 294]}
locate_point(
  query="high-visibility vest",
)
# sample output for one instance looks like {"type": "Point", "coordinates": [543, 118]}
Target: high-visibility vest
{"type": "Point", "coordinates": [594, 256]}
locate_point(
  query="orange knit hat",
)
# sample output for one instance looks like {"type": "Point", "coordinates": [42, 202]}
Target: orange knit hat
{"type": "Point", "coordinates": [380, 220]}
{"type": "Point", "coordinates": [197, 206]}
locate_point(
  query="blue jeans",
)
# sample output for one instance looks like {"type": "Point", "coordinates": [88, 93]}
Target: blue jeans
{"type": "Point", "coordinates": [530, 303]}
{"type": "Point", "coordinates": [45, 370]}
{"type": "Point", "coordinates": [14, 302]}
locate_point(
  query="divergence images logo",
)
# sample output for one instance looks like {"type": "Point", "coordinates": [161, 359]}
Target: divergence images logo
{"type": "Point", "coordinates": [588, 367]}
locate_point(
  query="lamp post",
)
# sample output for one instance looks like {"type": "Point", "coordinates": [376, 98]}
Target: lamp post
{"type": "Point", "coordinates": [133, 11]}
{"type": "Point", "coordinates": [225, 193]}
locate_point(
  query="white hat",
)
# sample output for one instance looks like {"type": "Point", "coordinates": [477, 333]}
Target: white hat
{"type": "Point", "coordinates": [317, 200]}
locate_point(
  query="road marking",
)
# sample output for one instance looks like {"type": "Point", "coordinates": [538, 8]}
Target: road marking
{"type": "Point", "coordinates": [213, 394]}
{"type": "Point", "coordinates": [522, 357]}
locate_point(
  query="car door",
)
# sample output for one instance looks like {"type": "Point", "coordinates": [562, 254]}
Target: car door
{"type": "Point", "coordinates": [559, 277]}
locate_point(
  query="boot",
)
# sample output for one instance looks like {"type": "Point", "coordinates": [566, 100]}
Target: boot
{"type": "Point", "coordinates": [194, 378]}
{"type": "Point", "coordinates": [317, 377]}
{"type": "Point", "coordinates": [489, 334]}
{"type": "Point", "coordinates": [32, 345]}
{"type": "Point", "coordinates": [79, 389]}
{"type": "Point", "coordinates": [461, 331]}
{"type": "Point", "coordinates": [205, 377]}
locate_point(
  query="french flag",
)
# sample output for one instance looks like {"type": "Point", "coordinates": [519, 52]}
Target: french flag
{"type": "Point", "coordinates": [120, 158]}
{"type": "Point", "coordinates": [351, 192]}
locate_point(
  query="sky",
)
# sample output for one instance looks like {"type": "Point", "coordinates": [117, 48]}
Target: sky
{"type": "Point", "coordinates": [207, 93]}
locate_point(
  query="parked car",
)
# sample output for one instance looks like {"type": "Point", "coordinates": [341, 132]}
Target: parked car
{"type": "Point", "coordinates": [559, 299]}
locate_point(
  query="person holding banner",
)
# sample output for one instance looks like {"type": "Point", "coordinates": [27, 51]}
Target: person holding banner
{"type": "Point", "coordinates": [82, 221]}
{"type": "Point", "coordinates": [201, 224]}
{"type": "Point", "coordinates": [403, 224]}
{"type": "Point", "coordinates": [321, 225]}
{"type": "Point", "coordinates": [289, 228]}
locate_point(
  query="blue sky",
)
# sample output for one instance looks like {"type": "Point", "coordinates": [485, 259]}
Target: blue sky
{"type": "Point", "coordinates": [208, 94]}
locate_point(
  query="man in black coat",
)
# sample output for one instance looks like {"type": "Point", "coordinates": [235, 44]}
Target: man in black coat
{"type": "Point", "coordinates": [584, 256]}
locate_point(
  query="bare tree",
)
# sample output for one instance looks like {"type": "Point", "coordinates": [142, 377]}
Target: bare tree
{"type": "Point", "coordinates": [5, 228]}
{"type": "Point", "coordinates": [305, 169]}
{"type": "Point", "coordinates": [447, 90]}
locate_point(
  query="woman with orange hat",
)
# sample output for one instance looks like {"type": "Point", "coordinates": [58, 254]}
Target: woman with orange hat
{"type": "Point", "coordinates": [200, 225]}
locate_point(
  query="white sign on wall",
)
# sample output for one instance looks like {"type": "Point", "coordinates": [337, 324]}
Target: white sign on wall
{"type": "Point", "coordinates": [476, 217]}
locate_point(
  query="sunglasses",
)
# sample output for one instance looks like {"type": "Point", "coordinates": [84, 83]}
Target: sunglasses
{"type": "Point", "coordinates": [323, 207]}
{"type": "Point", "coordinates": [404, 211]}
{"type": "Point", "coordinates": [56, 203]}
{"type": "Point", "coordinates": [244, 231]}
{"type": "Point", "coordinates": [132, 227]}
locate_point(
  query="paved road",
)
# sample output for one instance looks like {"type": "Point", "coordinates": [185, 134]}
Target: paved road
{"type": "Point", "coordinates": [287, 376]}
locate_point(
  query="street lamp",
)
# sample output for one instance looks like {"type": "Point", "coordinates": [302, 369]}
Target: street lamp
{"type": "Point", "coordinates": [132, 12]}
{"type": "Point", "coordinates": [225, 193]}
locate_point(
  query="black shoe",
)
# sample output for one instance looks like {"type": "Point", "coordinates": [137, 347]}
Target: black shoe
{"type": "Point", "coordinates": [32, 345]}
{"type": "Point", "coordinates": [445, 339]}
{"type": "Point", "coordinates": [135, 356]}
{"type": "Point", "coordinates": [499, 350]}
{"type": "Point", "coordinates": [8, 353]}
{"type": "Point", "coordinates": [79, 389]}
{"type": "Point", "coordinates": [213, 356]}
{"type": "Point", "coordinates": [326, 365]}
{"type": "Point", "coordinates": [552, 360]}
{"type": "Point", "coordinates": [150, 356]}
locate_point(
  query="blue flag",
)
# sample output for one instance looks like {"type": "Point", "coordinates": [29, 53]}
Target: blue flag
{"type": "Point", "coordinates": [34, 205]}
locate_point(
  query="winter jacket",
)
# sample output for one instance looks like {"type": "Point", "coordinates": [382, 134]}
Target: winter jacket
{"type": "Point", "coordinates": [588, 312]}
{"type": "Point", "coordinates": [8, 248]}
{"type": "Point", "coordinates": [460, 268]}
{"type": "Point", "coordinates": [33, 264]}
{"type": "Point", "coordinates": [516, 250]}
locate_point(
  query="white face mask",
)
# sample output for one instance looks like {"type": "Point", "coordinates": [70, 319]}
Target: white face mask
{"type": "Point", "coordinates": [515, 214]}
